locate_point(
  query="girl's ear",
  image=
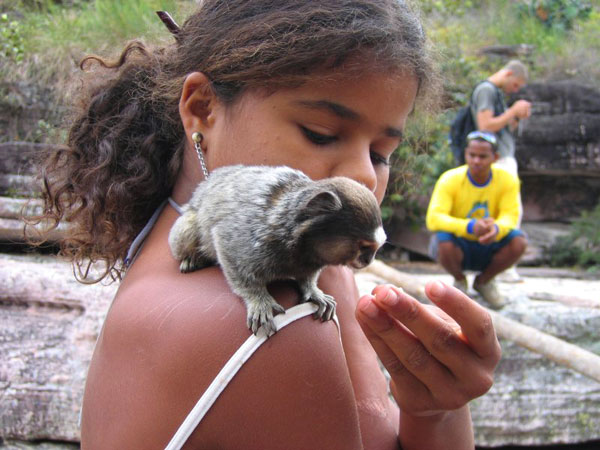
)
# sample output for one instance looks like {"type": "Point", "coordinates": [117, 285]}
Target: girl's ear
{"type": "Point", "coordinates": [197, 104]}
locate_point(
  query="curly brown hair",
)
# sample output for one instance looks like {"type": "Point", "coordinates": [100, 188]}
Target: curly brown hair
{"type": "Point", "coordinates": [125, 146]}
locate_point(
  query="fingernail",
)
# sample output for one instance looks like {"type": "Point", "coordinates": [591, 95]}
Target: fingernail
{"type": "Point", "coordinates": [437, 289]}
{"type": "Point", "coordinates": [369, 309]}
{"type": "Point", "coordinates": [391, 298]}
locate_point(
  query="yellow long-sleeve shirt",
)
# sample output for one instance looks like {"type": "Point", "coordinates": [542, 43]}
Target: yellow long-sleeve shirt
{"type": "Point", "coordinates": [458, 201]}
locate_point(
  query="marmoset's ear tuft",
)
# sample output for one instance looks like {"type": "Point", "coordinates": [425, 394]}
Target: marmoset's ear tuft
{"type": "Point", "coordinates": [323, 202]}
{"type": "Point", "coordinates": [318, 203]}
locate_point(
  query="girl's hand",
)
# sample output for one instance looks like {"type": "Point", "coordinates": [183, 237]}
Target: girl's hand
{"type": "Point", "coordinates": [439, 357]}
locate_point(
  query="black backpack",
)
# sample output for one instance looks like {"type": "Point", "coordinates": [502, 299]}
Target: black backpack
{"type": "Point", "coordinates": [464, 123]}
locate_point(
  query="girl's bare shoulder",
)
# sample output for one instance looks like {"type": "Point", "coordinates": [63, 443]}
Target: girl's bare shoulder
{"type": "Point", "coordinates": [169, 334]}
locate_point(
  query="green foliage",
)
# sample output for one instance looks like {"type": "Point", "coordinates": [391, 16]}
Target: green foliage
{"type": "Point", "coordinates": [559, 14]}
{"type": "Point", "coordinates": [92, 26]}
{"type": "Point", "coordinates": [563, 252]}
{"type": "Point", "coordinates": [57, 34]}
{"type": "Point", "coordinates": [11, 39]}
{"type": "Point", "coordinates": [446, 7]}
{"type": "Point", "coordinates": [460, 69]}
{"type": "Point", "coordinates": [578, 56]}
{"type": "Point", "coordinates": [588, 236]}
{"type": "Point", "coordinates": [581, 246]}
{"type": "Point", "coordinates": [53, 35]}
{"type": "Point", "coordinates": [526, 29]}
{"type": "Point", "coordinates": [416, 165]}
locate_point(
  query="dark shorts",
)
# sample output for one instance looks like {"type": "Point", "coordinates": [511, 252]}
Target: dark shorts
{"type": "Point", "coordinates": [476, 256]}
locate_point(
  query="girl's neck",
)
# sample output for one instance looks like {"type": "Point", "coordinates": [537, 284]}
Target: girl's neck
{"type": "Point", "coordinates": [188, 178]}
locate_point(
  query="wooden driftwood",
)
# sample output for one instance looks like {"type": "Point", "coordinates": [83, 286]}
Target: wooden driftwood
{"type": "Point", "coordinates": [565, 299]}
{"type": "Point", "coordinates": [12, 226]}
{"type": "Point", "coordinates": [557, 350]}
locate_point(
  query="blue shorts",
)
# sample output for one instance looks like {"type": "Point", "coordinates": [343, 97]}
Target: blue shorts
{"type": "Point", "coordinates": [476, 256]}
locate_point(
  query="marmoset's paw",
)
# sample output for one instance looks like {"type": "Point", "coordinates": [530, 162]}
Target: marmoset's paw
{"type": "Point", "coordinates": [193, 263]}
{"type": "Point", "coordinates": [260, 314]}
{"type": "Point", "coordinates": [326, 304]}
{"type": "Point", "coordinates": [187, 265]}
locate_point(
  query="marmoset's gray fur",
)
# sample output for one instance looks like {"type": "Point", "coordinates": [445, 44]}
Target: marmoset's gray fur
{"type": "Point", "coordinates": [262, 224]}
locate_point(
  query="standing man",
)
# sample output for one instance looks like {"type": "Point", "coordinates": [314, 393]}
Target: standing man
{"type": "Point", "coordinates": [508, 80]}
{"type": "Point", "coordinates": [474, 212]}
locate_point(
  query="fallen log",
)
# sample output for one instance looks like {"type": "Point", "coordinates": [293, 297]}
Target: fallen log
{"type": "Point", "coordinates": [12, 226]}
{"type": "Point", "coordinates": [17, 208]}
{"type": "Point", "coordinates": [553, 348]}
{"type": "Point", "coordinates": [565, 299]}
{"type": "Point", "coordinates": [19, 185]}
{"type": "Point", "coordinates": [410, 284]}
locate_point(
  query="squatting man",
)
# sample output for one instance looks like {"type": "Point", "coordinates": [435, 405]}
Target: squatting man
{"type": "Point", "coordinates": [474, 214]}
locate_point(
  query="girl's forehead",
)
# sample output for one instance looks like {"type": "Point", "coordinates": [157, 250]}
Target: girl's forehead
{"type": "Point", "coordinates": [381, 100]}
{"type": "Point", "coordinates": [363, 89]}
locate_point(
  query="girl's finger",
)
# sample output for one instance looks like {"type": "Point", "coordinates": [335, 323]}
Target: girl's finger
{"type": "Point", "coordinates": [403, 355]}
{"type": "Point", "coordinates": [475, 322]}
{"type": "Point", "coordinates": [438, 334]}
{"type": "Point", "coordinates": [454, 361]}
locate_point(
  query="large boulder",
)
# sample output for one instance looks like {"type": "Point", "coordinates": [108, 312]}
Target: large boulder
{"type": "Point", "coordinates": [558, 150]}
{"type": "Point", "coordinates": [540, 238]}
{"type": "Point", "coordinates": [535, 401]}
{"type": "Point", "coordinates": [49, 324]}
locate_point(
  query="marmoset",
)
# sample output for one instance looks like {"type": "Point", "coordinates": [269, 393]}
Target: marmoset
{"type": "Point", "coordinates": [262, 224]}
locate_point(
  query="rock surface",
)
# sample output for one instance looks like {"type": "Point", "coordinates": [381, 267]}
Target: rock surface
{"type": "Point", "coordinates": [558, 150]}
{"type": "Point", "coordinates": [48, 327]}
{"type": "Point", "coordinates": [49, 324]}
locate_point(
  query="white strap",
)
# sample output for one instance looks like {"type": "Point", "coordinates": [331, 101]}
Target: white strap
{"type": "Point", "coordinates": [231, 368]}
{"type": "Point", "coordinates": [176, 206]}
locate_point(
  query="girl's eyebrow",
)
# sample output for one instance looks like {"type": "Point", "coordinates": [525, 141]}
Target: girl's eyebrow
{"type": "Point", "coordinates": [344, 112]}
{"type": "Point", "coordinates": [341, 111]}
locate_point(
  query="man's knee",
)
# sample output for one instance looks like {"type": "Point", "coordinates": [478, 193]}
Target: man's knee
{"type": "Point", "coordinates": [449, 251]}
{"type": "Point", "coordinates": [516, 247]}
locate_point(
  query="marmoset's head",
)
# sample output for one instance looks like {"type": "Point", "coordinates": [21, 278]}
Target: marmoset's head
{"type": "Point", "coordinates": [340, 224]}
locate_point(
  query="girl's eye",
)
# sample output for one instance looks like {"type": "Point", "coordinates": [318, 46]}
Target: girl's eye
{"type": "Point", "coordinates": [378, 159]}
{"type": "Point", "coordinates": [318, 138]}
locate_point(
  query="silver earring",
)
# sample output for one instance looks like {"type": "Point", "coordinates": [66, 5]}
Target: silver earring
{"type": "Point", "coordinates": [198, 138]}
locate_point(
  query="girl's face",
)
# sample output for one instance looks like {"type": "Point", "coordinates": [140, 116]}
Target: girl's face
{"type": "Point", "coordinates": [323, 128]}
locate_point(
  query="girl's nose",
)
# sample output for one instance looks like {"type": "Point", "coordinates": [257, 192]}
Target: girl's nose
{"type": "Point", "coordinates": [359, 167]}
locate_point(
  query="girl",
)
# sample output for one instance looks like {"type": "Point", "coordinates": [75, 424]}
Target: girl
{"type": "Point", "coordinates": [321, 86]}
